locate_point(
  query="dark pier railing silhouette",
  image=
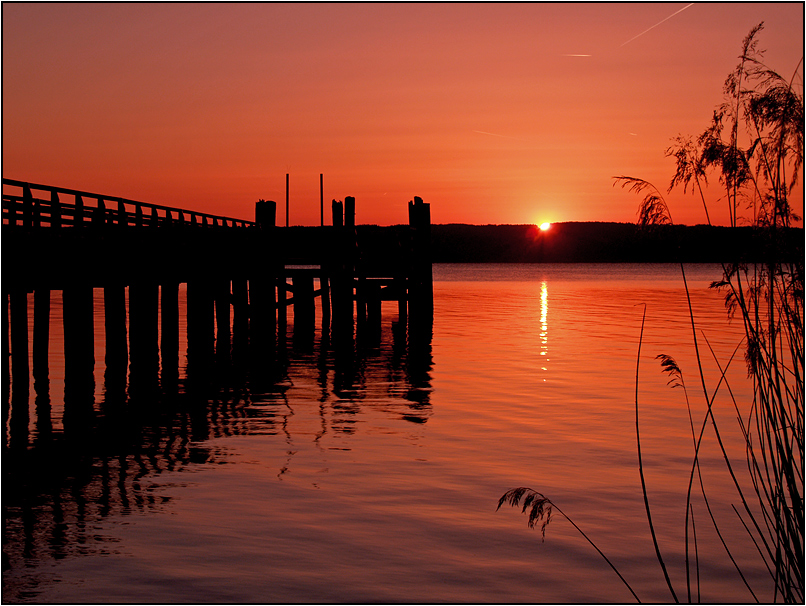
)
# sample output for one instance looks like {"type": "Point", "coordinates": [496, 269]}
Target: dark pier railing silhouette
{"type": "Point", "coordinates": [241, 277]}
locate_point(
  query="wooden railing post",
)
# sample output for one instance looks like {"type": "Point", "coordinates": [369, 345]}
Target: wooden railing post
{"type": "Point", "coordinates": [78, 212]}
{"type": "Point", "coordinates": [27, 206]}
{"type": "Point", "coordinates": [99, 214]}
{"type": "Point", "coordinates": [123, 220]}
{"type": "Point", "coordinates": [55, 209]}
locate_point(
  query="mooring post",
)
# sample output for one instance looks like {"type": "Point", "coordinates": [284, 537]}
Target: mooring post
{"type": "Point", "coordinates": [343, 267]}
{"type": "Point", "coordinates": [421, 287]}
{"type": "Point", "coordinates": [262, 301]}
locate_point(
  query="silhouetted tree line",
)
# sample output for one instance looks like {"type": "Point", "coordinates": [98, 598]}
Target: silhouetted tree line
{"type": "Point", "coordinates": [580, 242]}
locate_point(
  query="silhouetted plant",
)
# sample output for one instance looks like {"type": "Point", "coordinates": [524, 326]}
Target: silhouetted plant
{"type": "Point", "coordinates": [766, 296]}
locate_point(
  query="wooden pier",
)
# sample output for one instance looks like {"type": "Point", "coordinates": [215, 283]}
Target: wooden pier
{"type": "Point", "coordinates": [241, 277]}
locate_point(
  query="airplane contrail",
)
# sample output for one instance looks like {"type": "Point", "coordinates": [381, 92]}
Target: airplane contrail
{"type": "Point", "coordinates": [481, 132]}
{"type": "Point", "coordinates": [658, 23]}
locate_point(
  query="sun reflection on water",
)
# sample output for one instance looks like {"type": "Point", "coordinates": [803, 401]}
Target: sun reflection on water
{"type": "Point", "coordinates": [544, 326]}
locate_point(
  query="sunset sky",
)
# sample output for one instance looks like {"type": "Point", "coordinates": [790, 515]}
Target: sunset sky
{"type": "Point", "coordinates": [492, 113]}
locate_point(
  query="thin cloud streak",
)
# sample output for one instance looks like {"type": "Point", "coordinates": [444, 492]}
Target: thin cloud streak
{"type": "Point", "coordinates": [657, 24]}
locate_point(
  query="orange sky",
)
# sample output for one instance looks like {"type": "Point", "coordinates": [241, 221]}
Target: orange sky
{"type": "Point", "coordinates": [493, 113]}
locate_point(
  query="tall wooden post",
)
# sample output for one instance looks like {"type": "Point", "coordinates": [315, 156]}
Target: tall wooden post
{"type": "Point", "coordinates": [421, 287]}
{"type": "Point", "coordinates": [342, 268]}
{"type": "Point", "coordinates": [321, 200]}
{"type": "Point", "coordinates": [262, 301]}
{"type": "Point", "coordinates": [286, 199]}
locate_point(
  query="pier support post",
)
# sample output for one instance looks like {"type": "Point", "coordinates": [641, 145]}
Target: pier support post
{"type": "Point", "coordinates": [79, 355]}
{"type": "Point", "coordinates": [324, 299]}
{"type": "Point", "coordinates": [19, 343]}
{"type": "Point", "coordinates": [143, 335]}
{"type": "Point", "coordinates": [117, 349]}
{"type": "Point", "coordinates": [240, 318]}
{"type": "Point", "coordinates": [223, 343]}
{"type": "Point", "coordinates": [41, 338]}
{"type": "Point", "coordinates": [169, 335]}
{"type": "Point", "coordinates": [373, 300]}
{"type": "Point", "coordinates": [282, 305]}
{"type": "Point", "coordinates": [304, 304]}
{"type": "Point", "coordinates": [200, 324]}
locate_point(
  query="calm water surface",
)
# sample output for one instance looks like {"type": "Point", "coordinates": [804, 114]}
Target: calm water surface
{"type": "Point", "coordinates": [372, 473]}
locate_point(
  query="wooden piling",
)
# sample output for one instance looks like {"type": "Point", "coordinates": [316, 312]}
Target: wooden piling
{"type": "Point", "coordinates": [240, 318]}
{"type": "Point", "coordinates": [223, 295]}
{"type": "Point", "coordinates": [282, 305]}
{"type": "Point", "coordinates": [79, 343]}
{"type": "Point", "coordinates": [19, 342]}
{"type": "Point", "coordinates": [169, 334]}
{"type": "Point", "coordinates": [144, 334]}
{"type": "Point", "coordinates": [200, 323]}
{"type": "Point", "coordinates": [373, 301]}
{"type": "Point", "coordinates": [324, 299]}
{"type": "Point", "coordinates": [304, 304]}
{"type": "Point", "coordinates": [117, 348]}
{"type": "Point", "coordinates": [41, 338]}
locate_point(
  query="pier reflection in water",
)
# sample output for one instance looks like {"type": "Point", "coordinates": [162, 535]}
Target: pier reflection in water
{"type": "Point", "coordinates": [80, 451]}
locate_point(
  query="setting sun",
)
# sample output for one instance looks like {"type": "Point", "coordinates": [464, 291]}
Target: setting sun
{"type": "Point", "coordinates": [545, 226]}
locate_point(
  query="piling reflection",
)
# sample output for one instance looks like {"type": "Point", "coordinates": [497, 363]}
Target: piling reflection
{"type": "Point", "coordinates": [106, 456]}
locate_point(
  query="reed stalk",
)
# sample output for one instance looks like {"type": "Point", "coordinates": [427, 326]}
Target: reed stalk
{"type": "Point", "coordinates": [767, 296]}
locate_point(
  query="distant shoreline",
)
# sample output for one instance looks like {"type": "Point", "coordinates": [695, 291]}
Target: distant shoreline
{"type": "Point", "coordinates": [571, 242]}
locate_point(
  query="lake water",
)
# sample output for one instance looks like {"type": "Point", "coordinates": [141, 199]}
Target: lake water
{"type": "Point", "coordinates": [372, 473]}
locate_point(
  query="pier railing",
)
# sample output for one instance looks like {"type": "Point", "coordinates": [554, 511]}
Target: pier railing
{"type": "Point", "coordinates": [34, 205]}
